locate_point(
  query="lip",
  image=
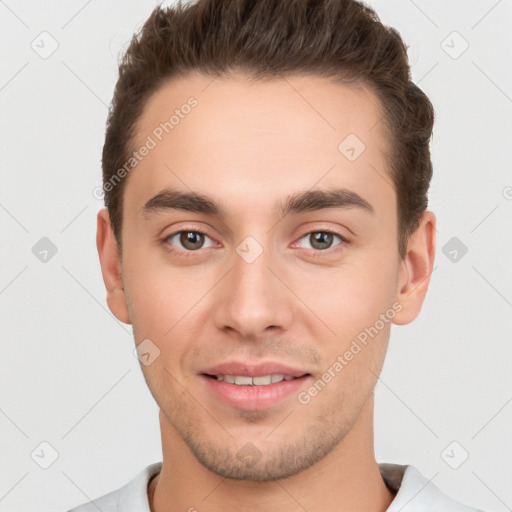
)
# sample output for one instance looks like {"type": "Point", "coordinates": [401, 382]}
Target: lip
{"type": "Point", "coordinates": [253, 398]}
{"type": "Point", "coordinates": [254, 369]}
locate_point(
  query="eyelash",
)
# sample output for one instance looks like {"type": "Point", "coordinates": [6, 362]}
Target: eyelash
{"type": "Point", "coordinates": [318, 253]}
{"type": "Point", "coordinates": [315, 253]}
{"type": "Point", "coordinates": [183, 252]}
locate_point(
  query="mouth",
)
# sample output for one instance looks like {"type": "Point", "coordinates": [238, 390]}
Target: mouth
{"type": "Point", "coordinates": [251, 388]}
{"type": "Point", "coordinates": [260, 380]}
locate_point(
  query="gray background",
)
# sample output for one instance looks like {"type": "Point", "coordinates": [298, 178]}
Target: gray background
{"type": "Point", "coordinates": [68, 374]}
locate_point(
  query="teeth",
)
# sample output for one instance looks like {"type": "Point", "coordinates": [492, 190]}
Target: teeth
{"type": "Point", "coordinates": [263, 380]}
{"type": "Point", "coordinates": [243, 381]}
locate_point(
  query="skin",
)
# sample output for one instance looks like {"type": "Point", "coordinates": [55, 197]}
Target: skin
{"type": "Point", "coordinates": [249, 146]}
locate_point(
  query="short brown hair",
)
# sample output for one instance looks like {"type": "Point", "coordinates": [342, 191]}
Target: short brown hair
{"type": "Point", "coordinates": [340, 39]}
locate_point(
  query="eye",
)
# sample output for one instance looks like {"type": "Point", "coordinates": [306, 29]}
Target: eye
{"type": "Point", "coordinates": [189, 240]}
{"type": "Point", "coordinates": [320, 240]}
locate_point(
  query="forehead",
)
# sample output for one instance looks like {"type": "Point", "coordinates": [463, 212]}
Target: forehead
{"type": "Point", "coordinates": [222, 136]}
{"type": "Point", "coordinates": [298, 105]}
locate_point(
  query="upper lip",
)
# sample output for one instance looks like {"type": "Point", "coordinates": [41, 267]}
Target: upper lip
{"type": "Point", "coordinates": [254, 369]}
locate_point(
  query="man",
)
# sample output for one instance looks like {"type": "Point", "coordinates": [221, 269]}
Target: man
{"type": "Point", "coordinates": [266, 169]}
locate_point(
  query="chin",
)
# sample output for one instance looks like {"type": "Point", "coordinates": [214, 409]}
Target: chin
{"type": "Point", "coordinates": [263, 461]}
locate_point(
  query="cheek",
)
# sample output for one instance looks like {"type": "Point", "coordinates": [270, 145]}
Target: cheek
{"type": "Point", "coordinates": [165, 306]}
{"type": "Point", "coordinates": [358, 307]}
{"type": "Point", "coordinates": [351, 297]}
{"type": "Point", "coordinates": [161, 294]}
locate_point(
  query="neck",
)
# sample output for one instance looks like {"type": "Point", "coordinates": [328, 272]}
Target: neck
{"type": "Point", "coordinates": [347, 479]}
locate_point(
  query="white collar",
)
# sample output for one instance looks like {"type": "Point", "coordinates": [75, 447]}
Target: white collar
{"type": "Point", "coordinates": [414, 493]}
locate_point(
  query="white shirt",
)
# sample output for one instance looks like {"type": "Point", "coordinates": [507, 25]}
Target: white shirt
{"type": "Point", "coordinates": [414, 493]}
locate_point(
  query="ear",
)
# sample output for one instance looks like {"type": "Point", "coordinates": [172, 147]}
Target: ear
{"type": "Point", "coordinates": [416, 268]}
{"type": "Point", "coordinates": [110, 262]}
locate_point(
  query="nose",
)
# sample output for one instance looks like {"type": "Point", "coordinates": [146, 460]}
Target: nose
{"type": "Point", "coordinates": [252, 301]}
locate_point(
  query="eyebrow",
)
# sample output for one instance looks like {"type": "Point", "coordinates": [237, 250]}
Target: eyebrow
{"type": "Point", "coordinates": [298, 202]}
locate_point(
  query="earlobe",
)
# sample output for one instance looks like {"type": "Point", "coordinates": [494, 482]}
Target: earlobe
{"type": "Point", "coordinates": [417, 265]}
{"type": "Point", "coordinates": [110, 262]}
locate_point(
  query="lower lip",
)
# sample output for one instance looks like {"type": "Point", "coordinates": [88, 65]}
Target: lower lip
{"type": "Point", "coordinates": [254, 398]}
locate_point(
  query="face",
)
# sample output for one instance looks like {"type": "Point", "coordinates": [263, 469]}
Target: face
{"type": "Point", "coordinates": [260, 260]}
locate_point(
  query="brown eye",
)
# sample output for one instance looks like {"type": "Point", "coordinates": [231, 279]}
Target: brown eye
{"type": "Point", "coordinates": [320, 240]}
{"type": "Point", "coordinates": [189, 240]}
